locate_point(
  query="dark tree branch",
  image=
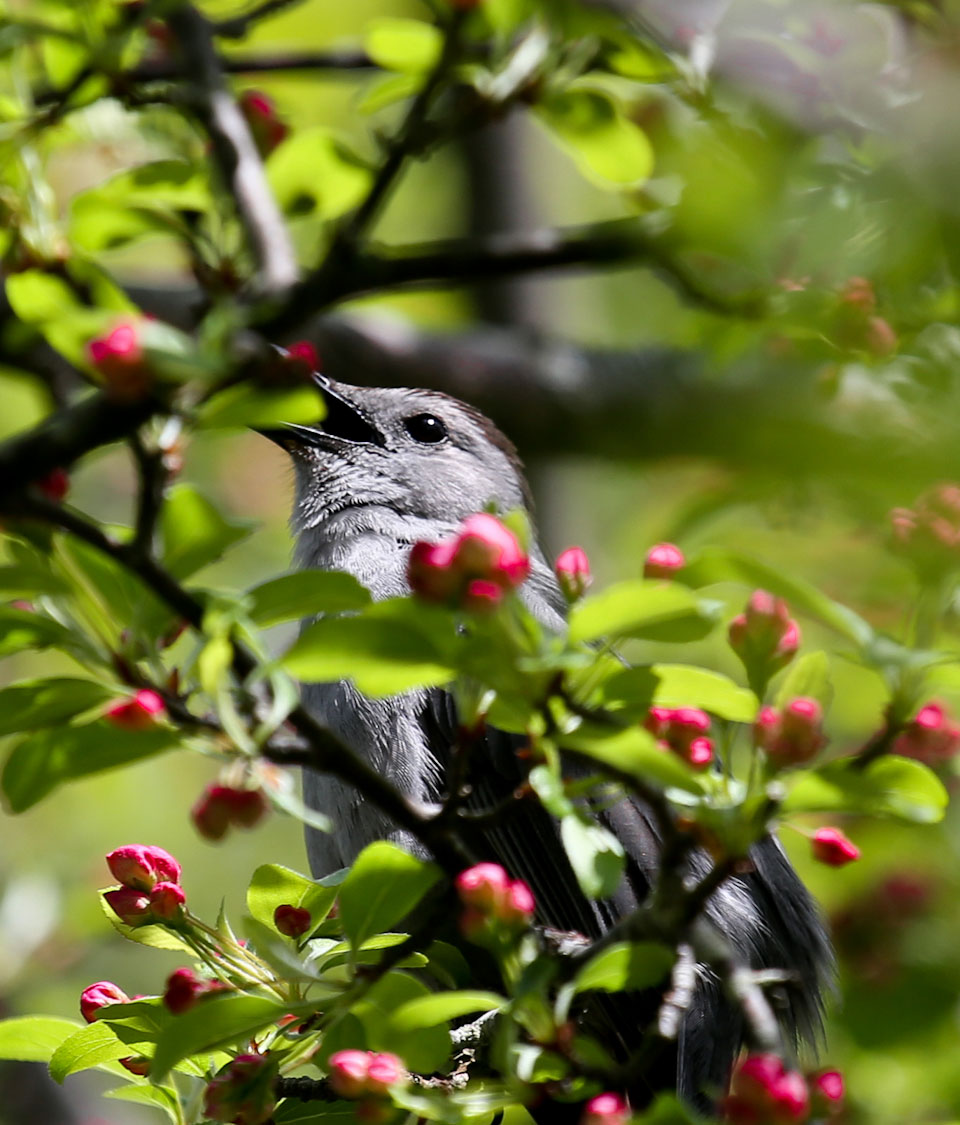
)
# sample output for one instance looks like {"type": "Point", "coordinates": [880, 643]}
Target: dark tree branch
{"type": "Point", "coordinates": [235, 155]}
{"type": "Point", "coordinates": [238, 27]}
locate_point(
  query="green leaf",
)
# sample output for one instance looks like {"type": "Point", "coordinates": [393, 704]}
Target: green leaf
{"type": "Point", "coordinates": [22, 629]}
{"type": "Point", "coordinates": [156, 937]}
{"type": "Point", "coordinates": [889, 786]}
{"type": "Point", "coordinates": [89, 1047]}
{"type": "Point", "coordinates": [682, 685]}
{"type": "Point", "coordinates": [312, 172]}
{"type": "Point", "coordinates": [32, 704]}
{"type": "Point", "coordinates": [441, 1007]}
{"type": "Point", "coordinates": [195, 534]}
{"type": "Point", "coordinates": [410, 46]}
{"type": "Point", "coordinates": [273, 886]}
{"type": "Point", "coordinates": [37, 297]}
{"type": "Point", "coordinates": [636, 752]}
{"type": "Point", "coordinates": [306, 593]}
{"type": "Point", "coordinates": [386, 650]}
{"type": "Point", "coordinates": [808, 676]}
{"type": "Point", "coordinates": [42, 761]}
{"type": "Point", "coordinates": [159, 1097]}
{"type": "Point", "coordinates": [385, 883]}
{"type": "Point", "coordinates": [625, 966]}
{"type": "Point", "coordinates": [596, 855]}
{"type": "Point", "coordinates": [26, 581]}
{"type": "Point", "coordinates": [34, 1038]}
{"type": "Point", "coordinates": [610, 149]}
{"type": "Point", "coordinates": [657, 611]}
{"type": "Point", "coordinates": [219, 1021]}
{"type": "Point", "coordinates": [718, 565]}
{"type": "Point", "coordinates": [242, 406]}
{"type": "Point", "coordinates": [426, 1051]}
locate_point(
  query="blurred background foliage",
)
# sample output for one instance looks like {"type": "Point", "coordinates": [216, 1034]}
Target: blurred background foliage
{"type": "Point", "coordinates": [794, 147]}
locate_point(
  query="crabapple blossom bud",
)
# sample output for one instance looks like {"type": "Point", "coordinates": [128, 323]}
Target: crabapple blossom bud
{"type": "Point", "coordinates": [265, 126]}
{"type": "Point", "coordinates": [485, 886]}
{"type": "Point", "coordinates": [517, 910]}
{"type": "Point", "coordinates": [99, 995]}
{"type": "Point", "coordinates": [249, 806]}
{"type": "Point", "coordinates": [572, 569]}
{"type": "Point", "coordinates": [764, 636]}
{"type": "Point", "coordinates": [243, 1092]}
{"type": "Point", "coordinates": [605, 1109]}
{"type": "Point", "coordinates": [182, 991]}
{"type": "Point", "coordinates": [221, 806]}
{"type": "Point", "coordinates": [682, 730]}
{"type": "Point", "coordinates": [463, 570]}
{"type": "Point", "coordinates": [481, 596]}
{"type": "Point", "coordinates": [140, 866]}
{"type": "Point", "coordinates": [383, 1071]}
{"type": "Point", "coordinates": [132, 907]}
{"type": "Point", "coordinates": [764, 1092]}
{"type": "Point", "coordinates": [792, 736]}
{"type": "Point", "coordinates": [347, 1073]}
{"type": "Point", "coordinates": [487, 548]}
{"type": "Point", "coordinates": [136, 1064]}
{"type": "Point", "coordinates": [832, 847]}
{"type": "Point", "coordinates": [166, 902]}
{"type": "Point", "coordinates": [826, 1093]}
{"type": "Point", "coordinates": [55, 485]}
{"type": "Point", "coordinates": [430, 570]}
{"type": "Point", "coordinates": [139, 713]}
{"type": "Point", "coordinates": [303, 355]}
{"type": "Point", "coordinates": [292, 921]}
{"type": "Point", "coordinates": [663, 560]}
{"type": "Point", "coordinates": [119, 359]}
{"type": "Point", "coordinates": [930, 737]}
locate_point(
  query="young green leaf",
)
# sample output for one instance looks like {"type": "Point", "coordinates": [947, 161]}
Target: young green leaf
{"type": "Point", "coordinates": [306, 593]}
{"type": "Point", "coordinates": [890, 786]}
{"type": "Point", "coordinates": [89, 1047]}
{"type": "Point", "coordinates": [682, 685]}
{"type": "Point", "coordinates": [273, 885]}
{"type": "Point", "coordinates": [651, 610]}
{"type": "Point", "coordinates": [385, 883]}
{"type": "Point", "coordinates": [195, 534]}
{"type": "Point", "coordinates": [33, 704]}
{"type": "Point", "coordinates": [407, 45]}
{"type": "Point", "coordinates": [34, 1038]}
{"type": "Point", "coordinates": [610, 149]}
{"type": "Point", "coordinates": [423, 1052]}
{"type": "Point", "coordinates": [22, 629]}
{"type": "Point", "coordinates": [596, 856]}
{"type": "Point", "coordinates": [625, 966]}
{"type": "Point", "coordinates": [442, 1007]}
{"type": "Point", "coordinates": [635, 752]}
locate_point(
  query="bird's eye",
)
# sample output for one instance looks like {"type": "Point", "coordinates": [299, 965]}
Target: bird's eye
{"type": "Point", "coordinates": [428, 429]}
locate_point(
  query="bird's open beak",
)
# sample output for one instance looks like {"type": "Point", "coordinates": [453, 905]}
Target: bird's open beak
{"type": "Point", "coordinates": [343, 425]}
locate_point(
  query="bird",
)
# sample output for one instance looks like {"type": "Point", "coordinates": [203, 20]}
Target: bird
{"type": "Point", "coordinates": [388, 467]}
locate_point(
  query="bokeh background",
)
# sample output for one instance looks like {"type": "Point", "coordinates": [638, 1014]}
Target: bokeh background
{"type": "Point", "coordinates": [796, 146]}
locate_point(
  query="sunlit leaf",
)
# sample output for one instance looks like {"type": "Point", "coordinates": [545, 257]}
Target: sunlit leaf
{"type": "Point", "coordinates": [306, 593]}
{"type": "Point", "coordinates": [34, 1038]}
{"type": "Point", "coordinates": [385, 883]}
{"type": "Point", "coordinates": [626, 965]}
{"type": "Point", "coordinates": [890, 786]}
{"type": "Point", "coordinates": [657, 611]}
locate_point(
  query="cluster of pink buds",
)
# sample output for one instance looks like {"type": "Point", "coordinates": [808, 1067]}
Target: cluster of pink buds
{"type": "Point", "coordinates": [243, 1092]}
{"type": "Point", "coordinates": [139, 713]}
{"type": "Point", "coordinates": [150, 890]}
{"type": "Point", "coordinates": [683, 731]}
{"type": "Point", "coordinates": [572, 569]}
{"type": "Point", "coordinates": [101, 995]}
{"type": "Point", "coordinates": [119, 359]}
{"type": "Point", "coordinates": [223, 806]}
{"type": "Point", "coordinates": [931, 736]}
{"type": "Point", "coordinates": [764, 636]}
{"type": "Point", "coordinates": [184, 988]}
{"type": "Point", "coordinates": [605, 1109]}
{"type": "Point", "coordinates": [929, 532]}
{"type": "Point", "coordinates": [664, 560]}
{"type": "Point", "coordinates": [261, 115]}
{"type": "Point", "coordinates": [365, 1075]}
{"type": "Point", "coordinates": [473, 570]}
{"type": "Point", "coordinates": [493, 902]}
{"type": "Point", "coordinates": [292, 921]}
{"type": "Point", "coordinates": [792, 736]}
{"type": "Point", "coordinates": [764, 1092]}
{"type": "Point", "coordinates": [832, 847]}
{"type": "Point", "coordinates": [55, 485]}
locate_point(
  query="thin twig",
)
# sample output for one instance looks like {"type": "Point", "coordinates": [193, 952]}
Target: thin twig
{"type": "Point", "coordinates": [238, 27]}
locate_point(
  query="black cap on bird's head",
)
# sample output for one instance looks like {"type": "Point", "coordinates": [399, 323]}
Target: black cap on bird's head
{"type": "Point", "coordinates": [411, 451]}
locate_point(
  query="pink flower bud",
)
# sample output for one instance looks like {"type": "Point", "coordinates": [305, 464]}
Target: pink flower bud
{"type": "Point", "coordinates": [486, 548]}
{"type": "Point", "coordinates": [212, 814]}
{"type": "Point", "coordinates": [930, 737]}
{"type": "Point", "coordinates": [764, 636]}
{"type": "Point", "coordinates": [793, 736]}
{"type": "Point", "coordinates": [383, 1071]}
{"type": "Point", "coordinates": [119, 358]}
{"type": "Point", "coordinates": [304, 354]}
{"type": "Point", "coordinates": [832, 847]}
{"type": "Point", "coordinates": [605, 1109]}
{"type": "Point", "coordinates": [99, 995]}
{"type": "Point", "coordinates": [763, 1092]}
{"type": "Point", "coordinates": [485, 886]}
{"type": "Point", "coordinates": [664, 560]}
{"type": "Point", "coordinates": [136, 1064]}
{"type": "Point", "coordinates": [140, 866]}
{"type": "Point", "coordinates": [55, 485]}
{"type": "Point", "coordinates": [248, 806]}
{"type": "Point", "coordinates": [430, 571]}
{"type": "Point", "coordinates": [826, 1093]}
{"type": "Point", "coordinates": [166, 902]}
{"type": "Point", "coordinates": [517, 910]}
{"type": "Point", "coordinates": [292, 921]}
{"type": "Point", "coordinates": [681, 730]}
{"type": "Point", "coordinates": [139, 713]}
{"type": "Point", "coordinates": [481, 596]}
{"type": "Point", "coordinates": [572, 569]}
{"type": "Point", "coordinates": [182, 991]}
{"type": "Point", "coordinates": [347, 1073]}
{"type": "Point", "coordinates": [132, 907]}
{"type": "Point", "coordinates": [243, 1092]}
{"type": "Point", "coordinates": [261, 114]}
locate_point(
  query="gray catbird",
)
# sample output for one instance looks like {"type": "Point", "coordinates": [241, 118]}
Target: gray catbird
{"type": "Point", "coordinates": [388, 467]}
